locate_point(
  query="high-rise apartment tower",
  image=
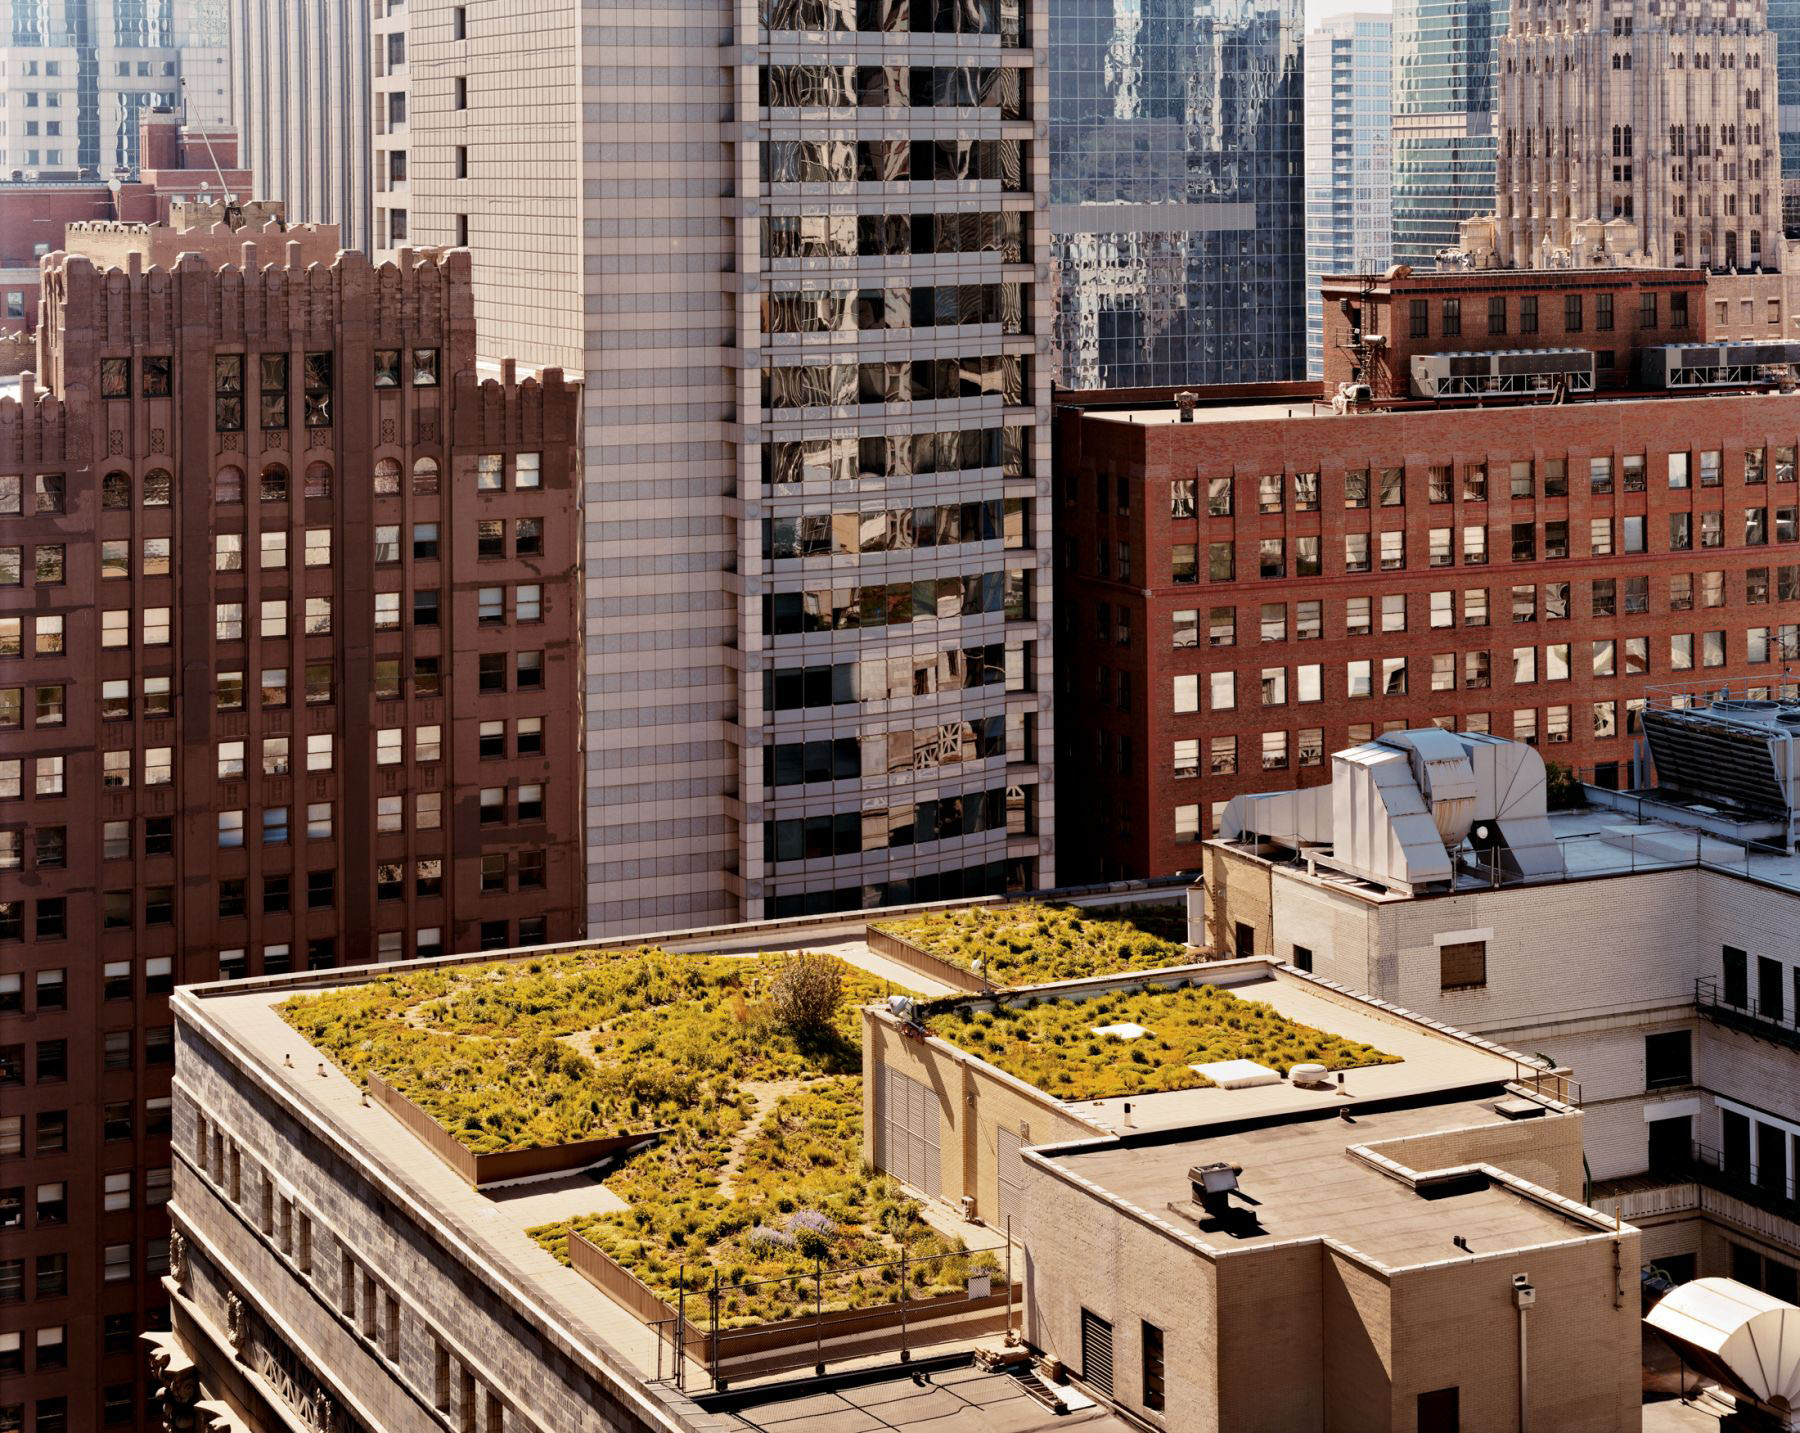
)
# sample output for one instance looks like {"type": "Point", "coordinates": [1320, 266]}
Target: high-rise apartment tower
{"type": "Point", "coordinates": [1349, 149]}
{"type": "Point", "coordinates": [800, 255]}
{"type": "Point", "coordinates": [1443, 121]}
{"type": "Point", "coordinates": [1644, 129]}
{"type": "Point", "coordinates": [1175, 183]}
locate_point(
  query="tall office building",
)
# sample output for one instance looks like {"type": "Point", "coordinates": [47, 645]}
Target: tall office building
{"type": "Point", "coordinates": [1177, 210]}
{"type": "Point", "coordinates": [1784, 21]}
{"type": "Point", "coordinates": [302, 93]}
{"type": "Point", "coordinates": [1638, 131]}
{"type": "Point", "coordinates": [802, 284]}
{"type": "Point", "coordinates": [1444, 102]}
{"type": "Point", "coordinates": [79, 74]}
{"type": "Point", "coordinates": [289, 655]}
{"type": "Point", "coordinates": [1349, 146]}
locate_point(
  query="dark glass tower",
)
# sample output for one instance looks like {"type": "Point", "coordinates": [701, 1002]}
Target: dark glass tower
{"type": "Point", "coordinates": [1784, 20]}
{"type": "Point", "coordinates": [1176, 191]}
{"type": "Point", "coordinates": [1444, 98]}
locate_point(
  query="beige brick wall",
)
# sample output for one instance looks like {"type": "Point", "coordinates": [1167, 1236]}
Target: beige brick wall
{"type": "Point", "coordinates": [974, 1104]}
{"type": "Point", "coordinates": [1455, 1324]}
{"type": "Point", "coordinates": [1545, 1151]}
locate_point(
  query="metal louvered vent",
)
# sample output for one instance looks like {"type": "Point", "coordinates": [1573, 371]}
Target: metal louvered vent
{"type": "Point", "coordinates": [1718, 761]}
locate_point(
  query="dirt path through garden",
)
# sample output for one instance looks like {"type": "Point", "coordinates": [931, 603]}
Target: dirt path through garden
{"type": "Point", "coordinates": [766, 1094]}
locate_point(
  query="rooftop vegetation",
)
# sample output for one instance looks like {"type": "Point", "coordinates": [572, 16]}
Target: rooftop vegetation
{"type": "Point", "coordinates": [751, 1065]}
{"type": "Point", "coordinates": [1032, 944]}
{"type": "Point", "coordinates": [1051, 1044]}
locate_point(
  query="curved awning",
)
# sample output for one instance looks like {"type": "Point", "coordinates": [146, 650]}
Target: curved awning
{"type": "Point", "coordinates": [1749, 1341]}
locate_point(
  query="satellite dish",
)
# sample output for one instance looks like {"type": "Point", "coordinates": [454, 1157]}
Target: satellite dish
{"type": "Point", "coordinates": [1481, 831]}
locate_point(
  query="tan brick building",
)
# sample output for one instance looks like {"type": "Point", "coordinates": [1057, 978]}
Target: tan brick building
{"type": "Point", "coordinates": [1657, 959]}
{"type": "Point", "coordinates": [289, 654]}
{"type": "Point", "coordinates": [1339, 1281]}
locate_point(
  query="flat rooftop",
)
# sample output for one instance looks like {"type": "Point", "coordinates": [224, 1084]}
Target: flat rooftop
{"type": "Point", "coordinates": [1308, 1181]}
{"type": "Point", "coordinates": [1430, 1061]}
{"type": "Point", "coordinates": [1291, 409]}
{"type": "Point", "coordinates": [1638, 834]}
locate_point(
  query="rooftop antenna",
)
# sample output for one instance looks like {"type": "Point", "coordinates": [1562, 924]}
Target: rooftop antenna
{"type": "Point", "coordinates": [207, 139]}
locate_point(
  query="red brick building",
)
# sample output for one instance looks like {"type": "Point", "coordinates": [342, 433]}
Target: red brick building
{"type": "Point", "coordinates": [289, 656]}
{"type": "Point", "coordinates": [1241, 595]}
{"type": "Point", "coordinates": [179, 162]}
{"type": "Point", "coordinates": [1613, 312]}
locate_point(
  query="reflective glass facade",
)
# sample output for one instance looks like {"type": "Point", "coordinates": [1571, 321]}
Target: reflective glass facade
{"type": "Point", "coordinates": [1784, 20]}
{"type": "Point", "coordinates": [1349, 145]}
{"type": "Point", "coordinates": [1444, 98]}
{"type": "Point", "coordinates": [1177, 210]}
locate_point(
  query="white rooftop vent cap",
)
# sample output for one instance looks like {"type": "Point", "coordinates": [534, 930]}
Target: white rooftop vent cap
{"type": "Point", "coordinates": [1748, 1340]}
{"type": "Point", "coordinates": [1309, 1076]}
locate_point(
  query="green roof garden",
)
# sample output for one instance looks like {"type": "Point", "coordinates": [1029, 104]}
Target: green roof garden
{"type": "Point", "coordinates": [1056, 1046]}
{"type": "Point", "coordinates": [1032, 943]}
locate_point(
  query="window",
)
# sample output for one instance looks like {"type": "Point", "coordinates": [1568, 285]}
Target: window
{"type": "Point", "coordinates": [1153, 1376]}
{"type": "Point", "coordinates": [1462, 965]}
{"type": "Point", "coordinates": [1451, 312]}
{"type": "Point", "coordinates": [1668, 1060]}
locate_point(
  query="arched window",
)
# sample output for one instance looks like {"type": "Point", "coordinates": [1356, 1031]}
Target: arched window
{"type": "Point", "coordinates": [387, 478]}
{"type": "Point", "coordinates": [425, 478]}
{"type": "Point", "coordinates": [1627, 64]}
{"type": "Point", "coordinates": [159, 488]}
{"type": "Point", "coordinates": [228, 485]}
{"type": "Point", "coordinates": [115, 491]}
{"type": "Point", "coordinates": [318, 480]}
{"type": "Point", "coordinates": [1680, 246]}
{"type": "Point", "coordinates": [273, 485]}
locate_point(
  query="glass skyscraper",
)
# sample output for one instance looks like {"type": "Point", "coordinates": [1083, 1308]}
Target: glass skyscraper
{"type": "Point", "coordinates": [1349, 144]}
{"type": "Point", "coordinates": [1444, 99]}
{"type": "Point", "coordinates": [1177, 212]}
{"type": "Point", "coordinates": [1784, 20]}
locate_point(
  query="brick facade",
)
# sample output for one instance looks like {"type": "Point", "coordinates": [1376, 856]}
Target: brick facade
{"type": "Point", "coordinates": [291, 646]}
{"type": "Point", "coordinates": [1136, 548]}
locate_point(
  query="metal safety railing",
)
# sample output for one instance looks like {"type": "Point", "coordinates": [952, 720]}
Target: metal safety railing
{"type": "Point", "coordinates": [832, 1314]}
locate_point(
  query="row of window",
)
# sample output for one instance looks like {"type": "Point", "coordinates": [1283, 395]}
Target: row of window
{"type": "Point", "coordinates": [50, 1058]}
{"type": "Point", "coordinates": [880, 86]}
{"type": "Point", "coordinates": [876, 679]}
{"type": "Point", "coordinates": [1549, 477]}
{"type": "Point", "coordinates": [850, 310]}
{"type": "Point", "coordinates": [1550, 601]}
{"type": "Point", "coordinates": [1575, 307]}
{"type": "Point", "coordinates": [119, 982]}
{"type": "Point", "coordinates": [49, 491]}
{"type": "Point", "coordinates": [119, 1338]}
{"type": "Point", "coordinates": [895, 161]}
{"type": "Point", "coordinates": [155, 374]}
{"type": "Point", "coordinates": [899, 529]}
{"type": "Point", "coordinates": [896, 603]}
{"type": "Point", "coordinates": [849, 235]}
{"type": "Point", "coordinates": [891, 455]}
{"type": "Point", "coordinates": [1006, 376]}
{"type": "Point", "coordinates": [850, 758]}
{"type": "Point", "coordinates": [1389, 676]}
{"type": "Point", "coordinates": [1362, 550]}
{"type": "Point", "coordinates": [992, 878]}
{"type": "Point", "coordinates": [847, 833]}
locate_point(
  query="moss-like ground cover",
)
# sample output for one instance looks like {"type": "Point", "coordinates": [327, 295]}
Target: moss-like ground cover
{"type": "Point", "coordinates": [1051, 1043]}
{"type": "Point", "coordinates": [674, 1040]}
{"type": "Point", "coordinates": [1032, 944]}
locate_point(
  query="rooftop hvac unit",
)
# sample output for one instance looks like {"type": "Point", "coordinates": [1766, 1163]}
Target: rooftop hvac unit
{"type": "Point", "coordinates": [1401, 811]}
{"type": "Point", "coordinates": [1532, 372]}
{"type": "Point", "coordinates": [1692, 366]}
{"type": "Point", "coordinates": [1739, 754]}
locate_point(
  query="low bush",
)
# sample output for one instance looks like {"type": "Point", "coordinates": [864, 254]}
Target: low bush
{"type": "Point", "coordinates": [1030, 943]}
